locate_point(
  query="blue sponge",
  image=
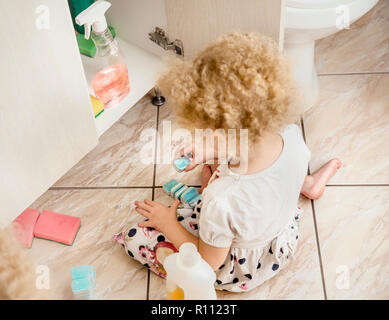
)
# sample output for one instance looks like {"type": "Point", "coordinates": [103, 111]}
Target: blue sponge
{"type": "Point", "coordinates": [168, 186]}
{"type": "Point", "coordinates": [181, 163]}
{"type": "Point", "coordinates": [176, 189]}
{"type": "Point", "coordinates": [191, 196]}
{"type": "Point", "coordinates": [182, 192]}
{"type": "Point", "coordinates": [177, 194]}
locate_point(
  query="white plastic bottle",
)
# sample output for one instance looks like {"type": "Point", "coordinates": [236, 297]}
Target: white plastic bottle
{"type": "Point", "coordinates": [109, 76]}
{"type": "Point", "coordinates": [189, 277]}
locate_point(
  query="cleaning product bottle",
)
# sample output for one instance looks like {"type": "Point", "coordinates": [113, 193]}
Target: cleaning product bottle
{"type": "Point", "coordinates": [189, 277]}
{"type": "Point", "coordinates": [110, 81]}
{"type": "Point", "coordinates": [76, 7]}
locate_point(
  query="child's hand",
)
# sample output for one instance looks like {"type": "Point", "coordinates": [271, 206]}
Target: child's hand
{"type": "Point", "coordinates": [199, 155]}
{"type": "Point", "coordinates": [159, 216]}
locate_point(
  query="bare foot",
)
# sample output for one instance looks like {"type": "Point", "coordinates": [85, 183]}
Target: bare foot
{"type": "Point", "coordinates": [206, 175]}
{"type": "Point", "coordinates": [315, 183]}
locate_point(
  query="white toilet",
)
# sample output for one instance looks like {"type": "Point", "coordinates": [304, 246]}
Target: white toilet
{"type": "Point", "coordinates": [310, 20]}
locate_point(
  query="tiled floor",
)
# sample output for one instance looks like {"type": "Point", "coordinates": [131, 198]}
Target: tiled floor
{"type": "Point", "coordinates": [362, 48]}
{"type": "Point", "coordinates": [344, 249]}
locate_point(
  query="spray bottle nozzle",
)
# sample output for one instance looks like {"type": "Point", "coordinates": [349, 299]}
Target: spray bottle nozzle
{"type": "Point", "coordinates": [94, 16]}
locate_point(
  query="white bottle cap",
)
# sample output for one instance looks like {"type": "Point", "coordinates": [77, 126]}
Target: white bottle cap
{"type": "Point", "coordinates": [94, 16]}
{"type": "Point", "coordinates": [188, 255]}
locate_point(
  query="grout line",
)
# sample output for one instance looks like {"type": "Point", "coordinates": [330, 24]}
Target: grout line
{"type": "Point", "coordinates": [303, 131]}
{"type": "Point", "coordinates": [303, 128]}
{"type": "Point", "coordinates": [352, 73]}
{"type": "Point", "coordinates": [340, 185]}
{"type": "Point", "coordinates": [148, 285]}
{"type": "Point", "coordinates": [189, 185]}
{"type": "Point", "coordinates": [155, 152]}
{"type": "Point", "coordinates": [100, 188]}
{"type": "Point", "coordinates": [315, 226]}
{"type": "Point", "coordinates": [318, 250]}
{"type": "Point", "coordinates": [153, 191]}
{"type": "Point", "coordinates": [194, 186]}
{"type": "Point", "coordinates": [358, 185]}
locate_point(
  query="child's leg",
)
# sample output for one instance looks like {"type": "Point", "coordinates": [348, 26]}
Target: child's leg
{"type": "Point", "coordinates": [315, 183]}
{"type": "Point", "coordinates": [150, 247]}
{"type": "Point", "coordinates": [189, 218]}
{"type": "Point", "coordinates": [147, 245]}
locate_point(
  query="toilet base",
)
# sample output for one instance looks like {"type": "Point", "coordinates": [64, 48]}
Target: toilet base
{"type": "Point", "coordinates": [307, 21]}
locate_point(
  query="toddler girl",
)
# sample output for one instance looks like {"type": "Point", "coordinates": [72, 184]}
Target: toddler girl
{"type": "Point", "coordinates": [246, 224]}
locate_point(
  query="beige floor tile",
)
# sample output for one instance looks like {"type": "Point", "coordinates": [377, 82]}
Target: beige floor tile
{"type": "Point", "coordinates": [353, 227]}
{"type": "Point", "coordinates": [300, 280]}
{"type": "Point", "coordinates": [102, 213]}
{"type": "Point", "coordinates": [351, 121]}
{"type": "Point", "coordinates": [116, 160]}
{"type": "Point", "coordinates": [362, 48]}
{"type": "Point", "coordinates": [165, 170]}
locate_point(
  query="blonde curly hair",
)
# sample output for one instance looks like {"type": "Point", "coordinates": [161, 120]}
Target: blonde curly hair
{"type": "Point", "coordinates": [241, 81]}
{"type": "Point", "coordinates": [17, 272]}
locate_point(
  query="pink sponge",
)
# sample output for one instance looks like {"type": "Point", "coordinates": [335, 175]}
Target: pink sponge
{"type": "Point", "coordinates": [57, 227]}
{"type": "Point", "coordinates": [24, 226]}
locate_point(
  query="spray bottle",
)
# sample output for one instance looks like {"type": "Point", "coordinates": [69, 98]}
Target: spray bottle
{"type": "Point", "coordinates": [110, 81]}
{"type": "Point", "coordinates": [189, 277]}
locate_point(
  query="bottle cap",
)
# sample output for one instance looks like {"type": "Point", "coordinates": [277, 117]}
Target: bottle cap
{"type": "Point", "coordinates": [94, 16]}
{"type": "Point", "coordinates": [188, 255]}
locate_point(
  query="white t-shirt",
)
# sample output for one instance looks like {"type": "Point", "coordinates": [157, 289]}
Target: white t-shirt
{"type": "Point", "coordinates": [247, 211]}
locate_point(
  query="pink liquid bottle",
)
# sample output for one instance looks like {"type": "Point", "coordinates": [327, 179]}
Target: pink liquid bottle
{"type": "Point", "coordinates": [110, 80]}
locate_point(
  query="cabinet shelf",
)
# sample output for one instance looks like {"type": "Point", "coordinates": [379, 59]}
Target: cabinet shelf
{"type": "Point", "coordinates": [143, 68]}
